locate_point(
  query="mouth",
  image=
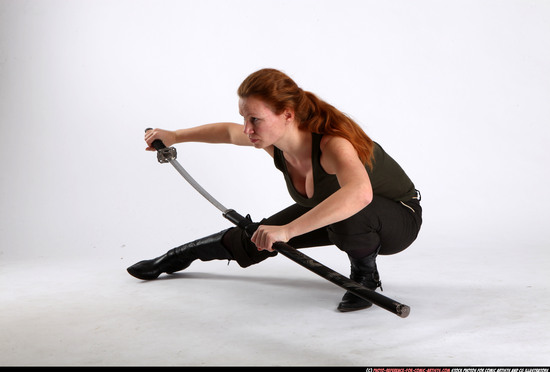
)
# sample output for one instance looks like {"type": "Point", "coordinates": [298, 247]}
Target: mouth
{"type": "Point", "coordinates": [253, 140]}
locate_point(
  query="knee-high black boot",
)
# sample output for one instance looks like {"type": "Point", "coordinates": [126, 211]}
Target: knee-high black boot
{"type": "Point", "coordinates": [364, 272]}
{"type": "Point", "coordinates": [204, 249]}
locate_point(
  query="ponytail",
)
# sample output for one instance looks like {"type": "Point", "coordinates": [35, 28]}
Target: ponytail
{"type": "Point", "coordinates": [280, 92]}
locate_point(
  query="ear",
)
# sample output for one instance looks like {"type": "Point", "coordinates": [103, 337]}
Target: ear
{"type": "Point", "coordinates": [288, 114]}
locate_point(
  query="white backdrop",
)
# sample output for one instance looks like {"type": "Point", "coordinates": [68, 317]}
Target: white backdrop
{"type": "Point", "coordinates": [457, 92]}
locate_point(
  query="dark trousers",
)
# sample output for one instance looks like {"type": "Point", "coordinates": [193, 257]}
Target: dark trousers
{"type": "Point", "coordinates": [392, 226]}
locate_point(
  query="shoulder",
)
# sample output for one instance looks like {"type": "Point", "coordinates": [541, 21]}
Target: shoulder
{"type": "Point", "coordinates": [334, 144]}
{"type": "Point", "coordinates": [337, 152]}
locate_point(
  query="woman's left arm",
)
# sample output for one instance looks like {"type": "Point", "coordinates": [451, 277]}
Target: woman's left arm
{"type": "Point", "coordinates": [355, 193]}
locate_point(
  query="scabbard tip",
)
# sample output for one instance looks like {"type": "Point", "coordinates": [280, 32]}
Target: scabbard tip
{"type": "Point", "coordinates": [403, 311]}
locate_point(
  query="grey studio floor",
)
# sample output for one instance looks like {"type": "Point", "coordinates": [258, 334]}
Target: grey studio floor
{"type": "Point", "coordinates": [491, 311]}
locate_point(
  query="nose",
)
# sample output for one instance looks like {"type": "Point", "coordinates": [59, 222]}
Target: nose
{"type": "Point", "coordinates": [248, 128]}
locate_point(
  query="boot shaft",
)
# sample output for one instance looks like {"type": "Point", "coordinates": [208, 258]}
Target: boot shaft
{"type": "Point", "coordinates": [177, 259]}
{"type": "Point", "coordinates": [205, 249]}
{"type": "Point", "coordinates": [365, 271]}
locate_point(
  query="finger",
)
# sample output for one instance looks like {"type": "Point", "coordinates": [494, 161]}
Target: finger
{"type": "Point", "coordinates": [150, 135]}
{"type": "Point", "coordinates": [268, 244]}
{"type": "Point", "coordinates": [256, 240]}
{"type": "Point", "coordinates": [261, 240]}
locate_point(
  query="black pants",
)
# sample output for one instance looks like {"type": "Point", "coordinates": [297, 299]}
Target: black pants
{"type": "Point", "coordinates": [392, 226]}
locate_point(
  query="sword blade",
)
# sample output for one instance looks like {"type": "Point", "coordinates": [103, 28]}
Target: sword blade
{"type": "Point", "coordinates": [196, 186]}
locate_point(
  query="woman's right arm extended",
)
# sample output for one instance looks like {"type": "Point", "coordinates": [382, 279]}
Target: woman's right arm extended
{"type": "Point", "coordinates": [231, 133]}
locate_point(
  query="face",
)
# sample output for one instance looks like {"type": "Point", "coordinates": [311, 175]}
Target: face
{"type": "Point", "coordinates": [262, 126]}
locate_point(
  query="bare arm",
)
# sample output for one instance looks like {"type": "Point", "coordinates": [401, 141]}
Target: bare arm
{"type": "Point", "coordinates": [355, 193]}
{"type": "Point", "coordinates": [230, 133]}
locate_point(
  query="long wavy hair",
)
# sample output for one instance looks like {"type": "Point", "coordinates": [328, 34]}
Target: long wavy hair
{"type": "Point", "coordinates": [280, 92]}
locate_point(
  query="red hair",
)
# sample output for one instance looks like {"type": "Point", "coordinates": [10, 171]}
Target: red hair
{"type": "Point", "coordinates": [280, 92]}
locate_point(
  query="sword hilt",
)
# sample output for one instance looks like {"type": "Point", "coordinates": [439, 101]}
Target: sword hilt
{"type": "Point", "coordinates": [164, 154]}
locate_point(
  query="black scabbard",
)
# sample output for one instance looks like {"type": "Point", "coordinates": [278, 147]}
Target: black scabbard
{"type": "Point", "coordinates": [322, 270]}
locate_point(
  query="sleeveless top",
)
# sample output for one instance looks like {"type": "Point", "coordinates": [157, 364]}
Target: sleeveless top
{"type": "Point", "coordinates": [387, 177]}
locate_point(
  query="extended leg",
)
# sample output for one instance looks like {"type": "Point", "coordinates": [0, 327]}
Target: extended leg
{"type": "Point", "coordinates": [204, 249]}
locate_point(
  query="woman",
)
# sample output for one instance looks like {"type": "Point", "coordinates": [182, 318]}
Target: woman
{"type": "Point", "coordinates": [348, 191]}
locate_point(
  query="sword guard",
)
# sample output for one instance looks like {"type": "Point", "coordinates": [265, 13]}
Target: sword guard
{"type": "Point", "coordinates": [166, 154]}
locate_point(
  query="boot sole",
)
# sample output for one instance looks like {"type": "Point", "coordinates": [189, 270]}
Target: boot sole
{"type": "Point", "coordinates": [344, 309]}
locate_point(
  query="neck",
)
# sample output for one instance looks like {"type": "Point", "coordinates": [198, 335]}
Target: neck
{"type": "Point", "coordinates": [296, 144]}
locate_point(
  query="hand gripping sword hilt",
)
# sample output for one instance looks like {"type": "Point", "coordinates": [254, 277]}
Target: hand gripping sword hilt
{"type": "Point", "coordinates": [164, 154]}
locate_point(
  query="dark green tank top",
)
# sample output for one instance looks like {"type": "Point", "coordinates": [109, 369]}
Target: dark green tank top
{"type": "Point", "coordinates": [387, 177]}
